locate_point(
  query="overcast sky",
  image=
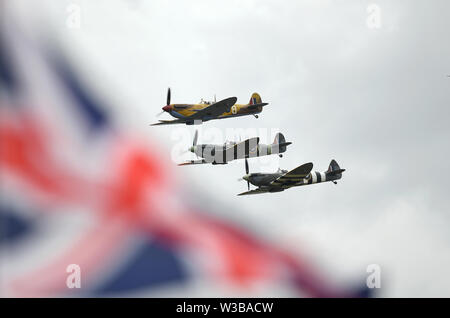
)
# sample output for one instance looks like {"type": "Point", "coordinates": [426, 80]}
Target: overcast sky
{"type": "Point", "coordinates": [375, 99]}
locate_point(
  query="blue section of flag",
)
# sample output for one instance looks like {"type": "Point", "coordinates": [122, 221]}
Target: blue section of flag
{"type": "Point", "coordinates": [90, 108]}
{"type": "Point", "coordinates": [8, 78]}
{"type": "Point", "coordinates": [153, 265]}
{"type": "Point", "coordinates": [12, 226]}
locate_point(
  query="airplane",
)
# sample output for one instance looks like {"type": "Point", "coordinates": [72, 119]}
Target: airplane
{"type": "Point", "coordinates": [282, 179]}
{"type": "Point", "coordinates": [191, 114]}
{"type": "Point", "coordinates": [230, 150]}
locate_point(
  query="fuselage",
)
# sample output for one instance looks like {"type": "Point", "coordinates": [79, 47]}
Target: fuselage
{"type": "Point", "coordinates": [184, 111]}
{"type": "Point", "coordinates": [263, 180]}
{"type": "Point", "coordinates": [220, 154]}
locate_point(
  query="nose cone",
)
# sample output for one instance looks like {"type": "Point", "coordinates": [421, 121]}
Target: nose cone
{"type": "Point", "coordinates": [167, 108]}
{"type": "Point", "coordinates": [246, 177]}
{"type": "Point", "coordinates": [192, 149]}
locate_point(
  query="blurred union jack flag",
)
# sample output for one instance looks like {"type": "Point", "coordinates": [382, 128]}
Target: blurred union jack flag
{"type": "Point", "coordinates": [78, 189]}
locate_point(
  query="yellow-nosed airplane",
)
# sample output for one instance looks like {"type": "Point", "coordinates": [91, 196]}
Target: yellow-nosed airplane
{"type": "Point", "coordinates": [191, 114]}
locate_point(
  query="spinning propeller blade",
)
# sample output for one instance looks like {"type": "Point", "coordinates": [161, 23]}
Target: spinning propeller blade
{"type": "Point", "coordinates": [246, 175]}
{"type": "Point", "coordinates": [194, 143]}
{"type": "Point", "coordinates": [168, 96]}
{"type": "Point", "coordinates": [195, 138]}
{"type": "Point", "coordinates": [246, 172]}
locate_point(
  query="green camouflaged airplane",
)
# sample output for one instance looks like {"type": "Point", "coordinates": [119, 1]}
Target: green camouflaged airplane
{"type": "Point", "coordinates": [282, 179]}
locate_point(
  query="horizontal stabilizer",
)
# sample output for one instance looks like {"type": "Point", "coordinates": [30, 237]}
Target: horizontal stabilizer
{"type": "Point", "coordinates": [254, 106]}
{"type": "Point", "coordinates": [284, 144]}
{"type": "Point", "coordinates": [335, 172]}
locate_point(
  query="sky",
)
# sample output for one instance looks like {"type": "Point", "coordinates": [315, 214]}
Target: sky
{"type": "Point", "coordinates": [373, 97]}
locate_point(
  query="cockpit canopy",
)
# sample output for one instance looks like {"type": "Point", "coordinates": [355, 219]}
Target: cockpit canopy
{"type": "Point", "coordinates": [229, 144]}
{"type": "Point", "coordinates": [204, 102]}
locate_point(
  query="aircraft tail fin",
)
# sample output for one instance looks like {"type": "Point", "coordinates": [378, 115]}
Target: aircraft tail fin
{"type": "Point", "coordinates": [279, 139]}
{"type": "Point", "coordinates": [281, 142]}
{"type": "Point", "coordinates": [255, 99]}
{"type": "Point", "coordinates": [256, 102]}
{"type": "Point", "coordinates": [334, 169]}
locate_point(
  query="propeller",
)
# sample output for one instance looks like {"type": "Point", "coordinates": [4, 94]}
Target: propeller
{"type": "Point", "coordinates": [246, 172]}
{"type": "Point", "coordinates": [165, 108]}
{"type": "Point", "coordinates": [168, 96]}
{"type": "Point", "coordinates": [246, 175]}
{"type": "Point", "coordinates": [195, 138]}
{"type": "Point", "coordinates": [214, 98]}
{"type": "Point", "coordinates": [194, 143]}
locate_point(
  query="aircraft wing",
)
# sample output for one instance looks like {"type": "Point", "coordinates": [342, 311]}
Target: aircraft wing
{"type": "Point", "coordinates": [193, 162]}
{"type": "Point", "coordinates": [286, 180]}
{"type": "Point", "coordinates": [169, 122]}
{"type": "Point", "coordinates": [215, 109]}
{"type": "Point", "coordinates": [255, 191]}
{"type": "Point", "coordinates": [293, 176]}
{"type": "Point", "coordinates": [243, 148]}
